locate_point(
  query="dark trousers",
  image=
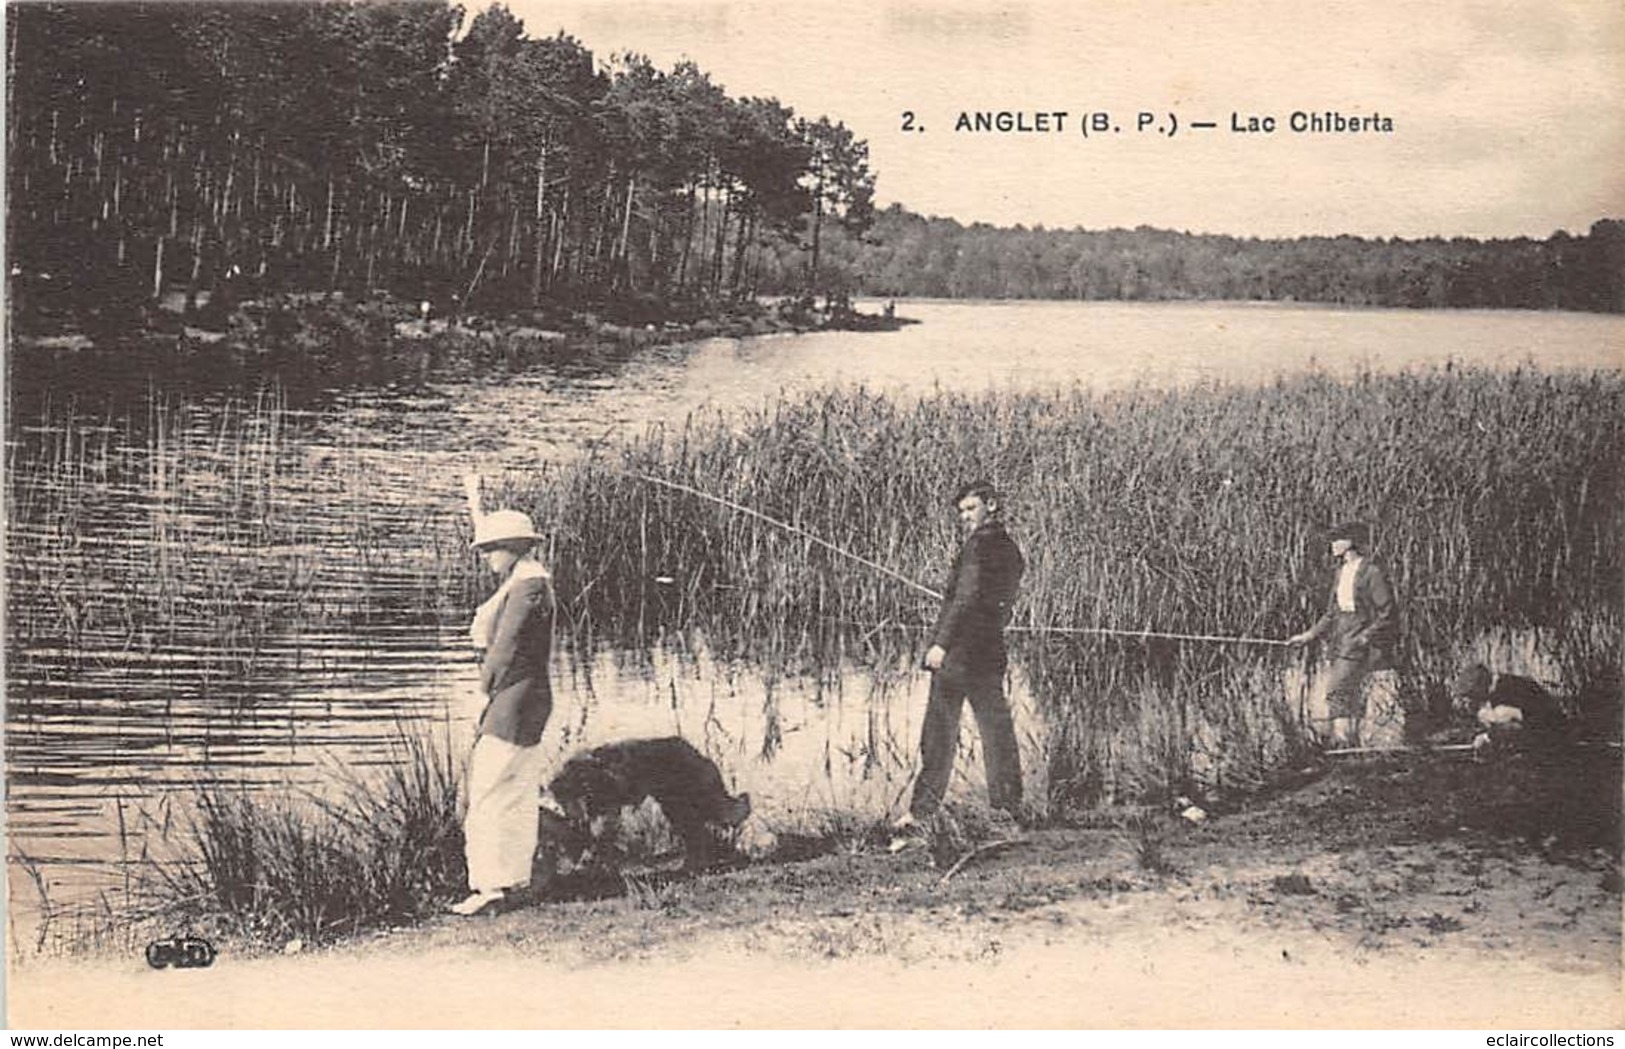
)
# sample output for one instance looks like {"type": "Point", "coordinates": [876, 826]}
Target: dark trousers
{"type": "Point", "coordinates": [939, 739]}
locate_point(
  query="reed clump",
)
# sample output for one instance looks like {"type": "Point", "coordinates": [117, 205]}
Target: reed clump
{"type": "Point", "coordinates": [1494, 496]}
{"type": "Point", "coordinates": [275, 867]}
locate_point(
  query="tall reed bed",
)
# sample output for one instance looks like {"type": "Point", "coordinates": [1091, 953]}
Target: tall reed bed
{"type": "Point", "coordinates": [1495, 500]}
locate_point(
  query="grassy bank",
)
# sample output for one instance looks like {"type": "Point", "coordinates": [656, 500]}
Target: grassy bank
{"type": "Point", "coordinates": [1495, 500]}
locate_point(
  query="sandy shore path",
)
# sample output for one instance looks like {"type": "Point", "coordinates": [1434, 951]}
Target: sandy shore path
{"type": "Point", "coordinates": [1153, 978]}
{"type": "Point", "coordinates": [839, 944]}
{"type": "Point", "coordinates": [1391, 895]}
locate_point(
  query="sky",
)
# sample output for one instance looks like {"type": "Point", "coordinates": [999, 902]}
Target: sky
{"type": "Point", "coordinates": [1508, 116]}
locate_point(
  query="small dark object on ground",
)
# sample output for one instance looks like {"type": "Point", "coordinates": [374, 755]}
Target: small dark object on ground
{"type": "Point", "coordinates": [183, 952]}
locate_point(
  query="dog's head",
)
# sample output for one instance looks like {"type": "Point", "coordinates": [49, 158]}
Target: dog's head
{"type": "Point", "coordinates": [735, 811]}
{"type": "Point", "coordinates": [559, 837]}
{"type": "Point", "coordinates": [587, 786]}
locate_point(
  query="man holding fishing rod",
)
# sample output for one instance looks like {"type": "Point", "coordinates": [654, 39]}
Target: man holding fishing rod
{"type": "Point", "coordinates": [967, 660]}
{"type": "Point", "coordinates": [1361, 618]}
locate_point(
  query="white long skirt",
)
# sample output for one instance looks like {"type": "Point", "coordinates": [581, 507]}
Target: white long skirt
{"type": "Point", "coordinates": [499, 830]}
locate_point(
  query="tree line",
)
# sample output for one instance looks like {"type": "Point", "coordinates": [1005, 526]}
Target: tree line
{"type": "Point", "coordinates": [247, 148]}
{"type": "Point", "coordinates": [358, 146]}
{"type": "Point", "coordinates": [907, 254]}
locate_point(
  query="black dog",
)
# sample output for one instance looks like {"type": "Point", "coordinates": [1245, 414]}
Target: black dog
{"type": "Point", "coordinates": [683, 782]}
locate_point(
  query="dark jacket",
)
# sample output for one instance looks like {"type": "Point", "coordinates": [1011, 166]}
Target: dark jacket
{"type": "Point", "coordinates": [513, 671]}
{"type": "Point", "coordinates": [1371, 632]}
{"type": "Point", "coordinates": [981, 591]}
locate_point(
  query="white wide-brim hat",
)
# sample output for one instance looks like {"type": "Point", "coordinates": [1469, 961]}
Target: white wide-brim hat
{"type": "Point", "coordinates": [502, 526]}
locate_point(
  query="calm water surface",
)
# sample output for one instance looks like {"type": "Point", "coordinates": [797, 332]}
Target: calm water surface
{"type": "Point", "coordinates": [256, 584]}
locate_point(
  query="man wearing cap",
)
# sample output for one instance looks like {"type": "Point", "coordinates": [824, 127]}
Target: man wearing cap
{"type": "Point", "coordinates": [967, 661]}
{"type": "Point", "coordinates": [513, 632]}
{"type": "Point", "coordinates": [1361, 619]}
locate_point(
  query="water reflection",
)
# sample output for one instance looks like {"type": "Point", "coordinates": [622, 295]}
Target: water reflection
{"type": "Point", "coordinates": [213, 566]}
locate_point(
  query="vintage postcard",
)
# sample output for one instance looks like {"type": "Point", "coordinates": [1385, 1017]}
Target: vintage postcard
{"type": "Point", "coordinates": [681, 514]}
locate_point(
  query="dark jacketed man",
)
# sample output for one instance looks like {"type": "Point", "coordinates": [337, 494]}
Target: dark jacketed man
{"type": "Point", "coordinates": [967, 660]}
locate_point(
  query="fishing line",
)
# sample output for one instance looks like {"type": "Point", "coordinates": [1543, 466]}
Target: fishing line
{"type": "Point", "coordinates": [825, 543]}
{"type": "Point", "coordinates": [1099, 630]}
{"type": "Point", "coordinates": [1112, 632]}
{"type": "Point", "coordinates": [860, 559]}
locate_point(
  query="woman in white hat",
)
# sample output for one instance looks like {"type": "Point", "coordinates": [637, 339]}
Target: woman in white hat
{"type": "Point", "coordinates": [513, 632]}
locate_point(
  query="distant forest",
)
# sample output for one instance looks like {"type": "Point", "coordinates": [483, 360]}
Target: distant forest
{"type": "Point", "coordinates": [250, 148]}
{"type": "Point", "coordinates": [905, 254]}
{"type": "Point", "coordinates": [356, 146]}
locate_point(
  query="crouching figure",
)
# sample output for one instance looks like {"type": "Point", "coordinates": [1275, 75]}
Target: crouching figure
{"type": "Point", "coordinates": [593, 788]}
{"type": "Point", "coordinates": [1504, 706]}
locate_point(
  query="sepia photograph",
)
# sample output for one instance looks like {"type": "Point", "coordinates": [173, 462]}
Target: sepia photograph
{"type": "Point", "coordinates": [722, 514]}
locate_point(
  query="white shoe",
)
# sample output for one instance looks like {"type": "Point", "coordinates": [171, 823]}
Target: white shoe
{"type": "Point", "coordinates": [477, 903]}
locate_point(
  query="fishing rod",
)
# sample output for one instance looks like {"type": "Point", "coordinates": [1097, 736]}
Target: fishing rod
{"type": "Point", "coordinates": [825, 543]}
{"type": "Point", "coordinates": [893, 573]}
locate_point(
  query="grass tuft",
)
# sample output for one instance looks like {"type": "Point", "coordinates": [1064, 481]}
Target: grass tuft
{"type": "Point", "coordinates": [278, 867]}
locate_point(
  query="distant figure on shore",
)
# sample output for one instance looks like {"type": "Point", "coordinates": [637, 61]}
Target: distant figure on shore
{"type": "Point", "coordinates": [967, 660]}
{"type": "Point", "coordinates": [1362, 620]}
{"type": "Point", "coordinates": [1504, 706]}
{"type": "Point", "coordinates": [891, 309]}
{"type": "Point", "coordinates": [513, 632]}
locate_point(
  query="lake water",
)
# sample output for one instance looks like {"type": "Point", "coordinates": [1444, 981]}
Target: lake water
{"type": "Point", "coordinates": [254, 583]}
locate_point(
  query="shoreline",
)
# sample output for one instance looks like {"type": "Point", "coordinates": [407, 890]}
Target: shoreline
{"type": "Point", "coordinates": [315, 324]}
{"type": "Point", "coordinates": [1399, 892]}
